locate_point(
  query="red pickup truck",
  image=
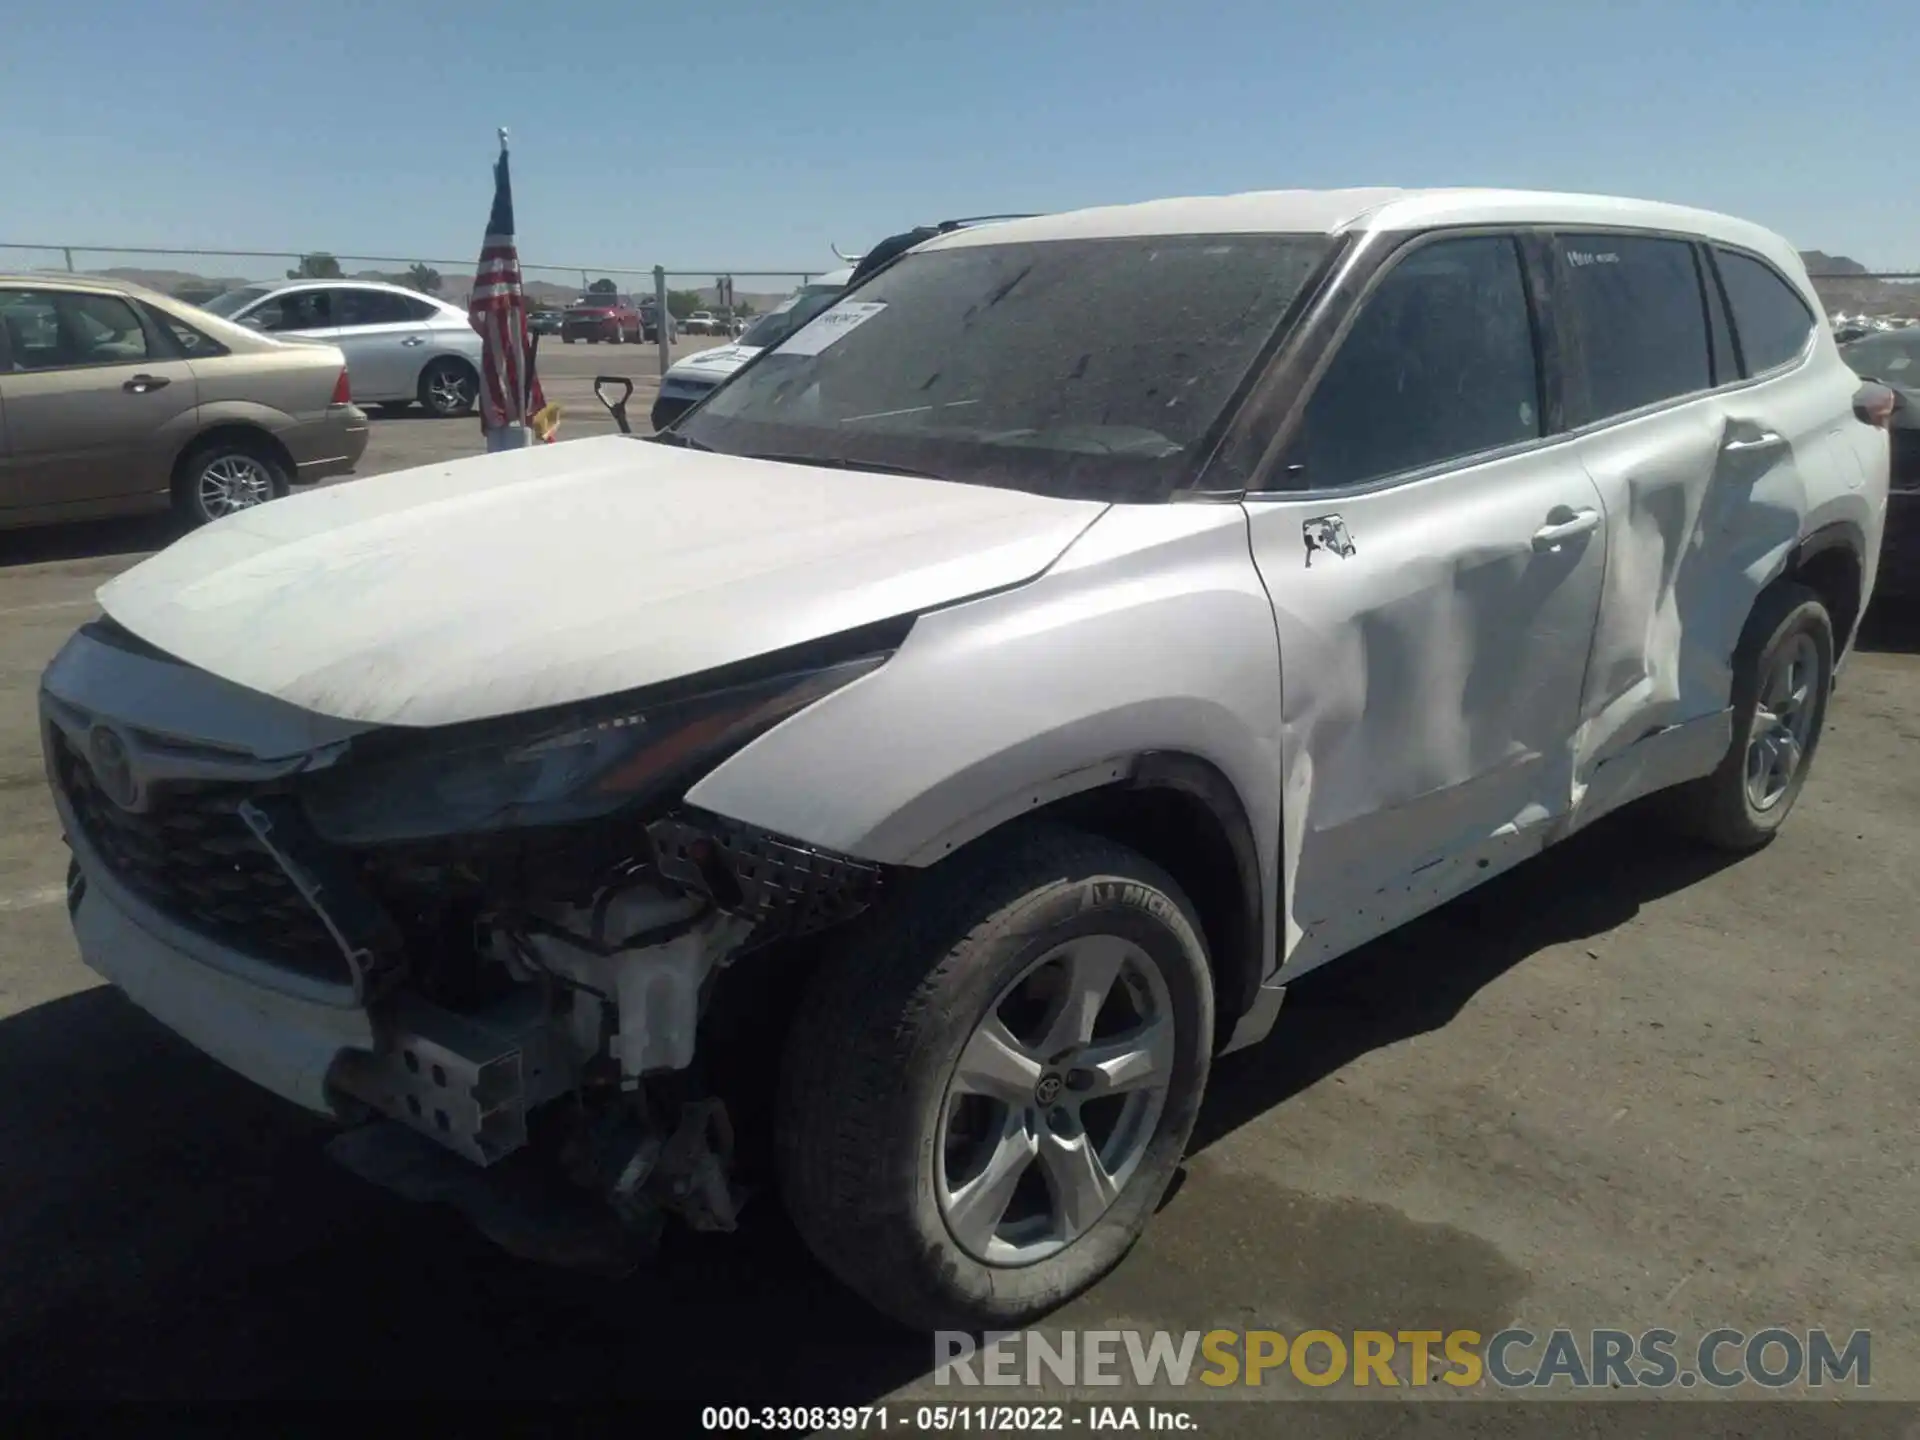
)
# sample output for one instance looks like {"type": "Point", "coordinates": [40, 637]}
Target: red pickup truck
{"type": "Point", "coordinates": [601, 317]}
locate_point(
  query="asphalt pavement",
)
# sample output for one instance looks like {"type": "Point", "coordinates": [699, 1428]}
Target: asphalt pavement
{"type": "Point", "coordinates": [1627, 1085]}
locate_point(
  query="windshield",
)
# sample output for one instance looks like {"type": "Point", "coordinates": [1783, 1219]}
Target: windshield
{"type": "Point", "coordinates": [233, 300]}
{"type": "Point", "coordinates": [1893, 357]}
{"type": "Point", "coordinates": [1087, 368]}
{"type": "Point", "coordinates": [790, 315]}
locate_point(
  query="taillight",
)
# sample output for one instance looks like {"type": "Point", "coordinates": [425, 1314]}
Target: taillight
{"type": "Point", "coordinates": [1874, 404]}
{"type": "Point", "coordinates": [342, 392]}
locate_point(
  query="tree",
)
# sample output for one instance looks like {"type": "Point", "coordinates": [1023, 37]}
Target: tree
{"type": "Point", "coordinates": [744, 309]}
{"type": "Point", "coordinates": [603, 286]}
{"type": "Point", "coordinates": [682, 303]}
{"type": "Point", "coordinates": [317, 266]}
{"type": "Point", "coordinates": [424, 278]}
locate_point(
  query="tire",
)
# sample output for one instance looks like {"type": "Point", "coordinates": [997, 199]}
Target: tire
{"type": "Point", "coordinates": [224, 476]}
{"type": "Point", "coordinates": [1789, 627]}
{"type": "Point", "coordinates": [872, 1149]}
{"type": "Point", "coordinates": [449, 388]}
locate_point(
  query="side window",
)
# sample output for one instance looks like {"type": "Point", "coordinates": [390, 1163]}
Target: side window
{"type": "Point", "coordinates": [1439, 365]}
{"type": "Point", "coordinates": [297, 310]}
{"type": "Point", "coordinates": [372, 307]}
{"type": "Point", "coordinates": [193, 344]}
{"type": "Point", "coordinates": [104, 329]}
{"type": "Point", "coordinates": [57, 329]}
{"type": "Point", "coordinates": [32, 330]}
{"type": "Point", "coordinates": [1639, 321]}
{"type": "Point", "coordinates": [1769, 316]}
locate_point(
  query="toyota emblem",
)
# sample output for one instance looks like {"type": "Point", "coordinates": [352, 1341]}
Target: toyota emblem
{"type": "Point", "coordinates": [112, 766]}
{"type": "Point", "coordinates": [1048, 1090]}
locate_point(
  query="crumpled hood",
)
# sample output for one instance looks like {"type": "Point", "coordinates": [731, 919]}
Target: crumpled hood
{"type": "Point", "coordinates": [538, 577]}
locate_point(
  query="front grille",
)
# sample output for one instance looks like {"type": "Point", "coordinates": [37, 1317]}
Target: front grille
{"type": "Point", "coordinates": [192, 858]}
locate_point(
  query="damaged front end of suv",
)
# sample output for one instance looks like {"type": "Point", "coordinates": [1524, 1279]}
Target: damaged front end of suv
{"type": "Point", "coordinates": [488, 947]}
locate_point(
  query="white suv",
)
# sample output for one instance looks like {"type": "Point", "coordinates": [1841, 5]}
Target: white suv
{"type": "Point", "coordinates": [904, 777]}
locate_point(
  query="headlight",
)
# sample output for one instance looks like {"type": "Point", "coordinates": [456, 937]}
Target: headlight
{"type": "Point", "coordinates": [596, 759]}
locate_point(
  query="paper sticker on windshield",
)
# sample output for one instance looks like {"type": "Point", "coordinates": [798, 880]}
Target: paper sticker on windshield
{"type": "Point", "coordinates": [830, 325]}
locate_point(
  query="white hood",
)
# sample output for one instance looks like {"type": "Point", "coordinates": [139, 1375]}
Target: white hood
{"type": "Point", "coordinates": [536, 577]}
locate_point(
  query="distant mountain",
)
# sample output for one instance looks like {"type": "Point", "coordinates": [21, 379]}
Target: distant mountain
{"type": "Point", "coordinates": [1818, 262]}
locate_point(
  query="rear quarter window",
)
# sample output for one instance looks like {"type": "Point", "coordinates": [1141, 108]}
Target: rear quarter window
{"type": "Point", "coordinates": [1638, 321]}
{"type": "Point", "coordinates": [1771, 320]}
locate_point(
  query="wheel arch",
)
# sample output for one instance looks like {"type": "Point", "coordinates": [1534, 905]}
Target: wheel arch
{"type": "Point", "coordinates": [1182, 813]}
{"type": "Point", "coordinates": [1831, 562]}
{"type": "Point", "coordinates": [236, 432]}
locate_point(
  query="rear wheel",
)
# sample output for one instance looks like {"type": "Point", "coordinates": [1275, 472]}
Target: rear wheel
{"type": "Point", "coordinates": [1782, 677]}
{"type": "Point", "coordinates": [449, 388]}
{"type": "Point", "coordinates": [224, 476]}
{"type": "Point", "coordinates": [987, 1091]}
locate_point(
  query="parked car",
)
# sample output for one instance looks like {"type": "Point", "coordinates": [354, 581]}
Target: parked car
{"type": "Point", "coordinates": [594, 318]}
{"type": "Point", "coordinates": [116, 400]}
{"type": "Point", "coordinates": [1893, 358]}
{"type": "Point", "coordinates": [881, 788]}
{"type": "Point", "coordinates": [545, 322]}
{"type": "Point", "coordinates": [703, 322]}
{"type": "Point", "coordinates": [401, 346]}
{"type": "Point", "coordinates": [650, 323]}
{"type": "Point", "coordinates": [688, 381]}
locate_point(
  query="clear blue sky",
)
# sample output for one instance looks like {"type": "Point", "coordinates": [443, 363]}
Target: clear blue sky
{"type": "Point", "coordinates": [781, 127]}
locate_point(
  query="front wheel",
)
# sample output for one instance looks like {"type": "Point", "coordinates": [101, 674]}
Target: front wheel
{"type": "Point", "coordinates": [1782, 677]}
{"type": "Point", "coordinates": [988, 1090]}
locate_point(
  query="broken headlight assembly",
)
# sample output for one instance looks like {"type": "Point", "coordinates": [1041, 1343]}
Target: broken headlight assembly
{"type": "Point", "coordinates": [565, 767]}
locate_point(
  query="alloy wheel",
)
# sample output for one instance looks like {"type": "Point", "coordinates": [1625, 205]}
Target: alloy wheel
{"type": "Point", "coordinates": [233, 482]}
{"type": "Point", "coordinates": [1054, 1100]}
{"type": "Point", "coordinates": [1783, 720]}
{"type": "Point", "coordinates": [450, 390]}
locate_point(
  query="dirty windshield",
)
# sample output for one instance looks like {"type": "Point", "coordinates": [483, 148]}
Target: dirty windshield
{"type": "Point", "coordinates": [794, 312]}
{"type": "Point", "coordinates": [1088, 368]}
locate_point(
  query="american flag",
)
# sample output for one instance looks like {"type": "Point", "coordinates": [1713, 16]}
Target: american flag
{"type": "Point", "coordinates": [509, 390]}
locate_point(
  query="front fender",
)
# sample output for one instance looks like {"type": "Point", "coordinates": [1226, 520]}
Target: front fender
{"type": "Point", "coordinates": [1152, 634]}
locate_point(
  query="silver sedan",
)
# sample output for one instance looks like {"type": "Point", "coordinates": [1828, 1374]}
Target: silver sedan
{"type": "Point", "coordinates": [401, 346]}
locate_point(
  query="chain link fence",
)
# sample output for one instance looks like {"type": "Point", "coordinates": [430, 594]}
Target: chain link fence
{"type": "Point", "coordinates": [200, 275]}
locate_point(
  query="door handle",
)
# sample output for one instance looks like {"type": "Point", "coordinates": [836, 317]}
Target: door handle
{"type": "Point", "coordinates": [141, 384]}
{"type": "Point", "coordinates": [1551, 537]}
{"type": "Point", "coordinates": [414, 340]}
{"type": "Point", "coordinates": [1765, 440]}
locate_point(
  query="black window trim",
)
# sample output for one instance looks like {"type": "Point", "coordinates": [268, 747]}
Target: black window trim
{"type": "Point", "coordinates": [1803, 354]}
{"type": "Point", "coordinates": [1549, 363]}
{"type": "Point", "coordinates": [160, 347]}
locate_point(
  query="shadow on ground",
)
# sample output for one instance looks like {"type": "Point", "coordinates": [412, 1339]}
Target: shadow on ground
{"type": "Point", "coordinates": [87, 540]}
{"type": "Point", "coordinates": [167, 1230]}
{"type": "Point", "coordinates": [1891, 626]}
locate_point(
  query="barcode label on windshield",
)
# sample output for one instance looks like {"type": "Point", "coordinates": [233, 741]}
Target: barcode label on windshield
{"type": "Point", "coordinates": [830, 325]}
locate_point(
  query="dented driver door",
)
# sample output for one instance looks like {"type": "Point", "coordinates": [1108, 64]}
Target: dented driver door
{"type": "Point", "coordinates": [1435, 585]}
